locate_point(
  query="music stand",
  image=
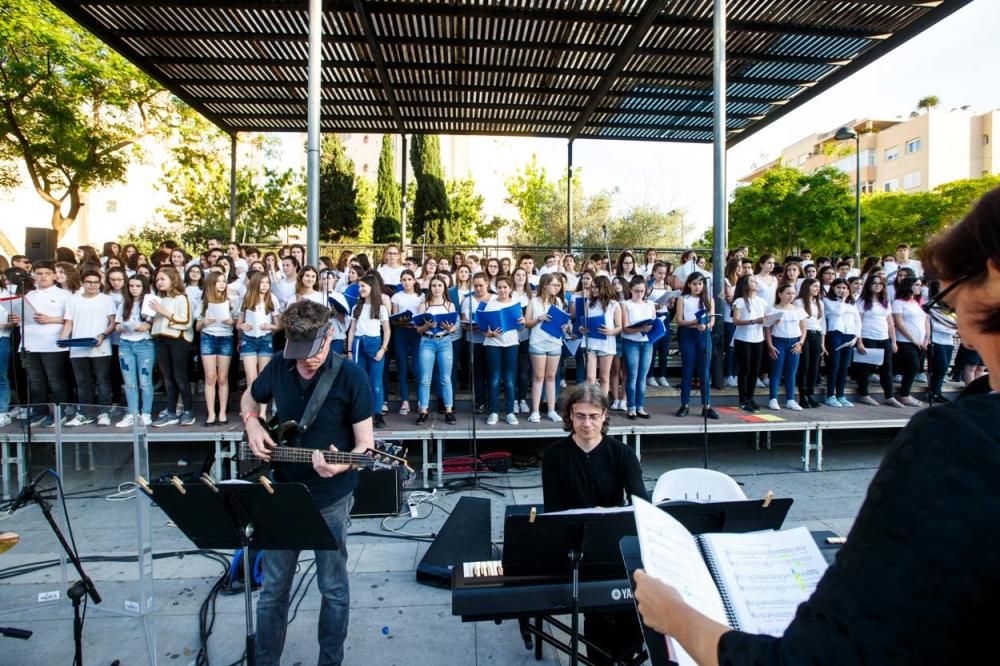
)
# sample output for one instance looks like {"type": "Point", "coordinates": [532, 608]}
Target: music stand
{"type": "Point", "coordinates": [273, 516]}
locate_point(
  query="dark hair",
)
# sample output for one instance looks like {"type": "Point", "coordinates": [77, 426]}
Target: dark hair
{"type": "Point", "coordinates": [72, 275]}
{"type": "Point", "coordinates": [621, 257]}
{"type": "Point", "coordinates": [965, 250]}
{"type": "Point", "coordinates": [299, 287]}
{"type": "Point", "coordinates": [304, 318]}
{"type": "Point", "coordinates": [187, 275]}
{"type": "Point", "coordinates": [605, 291]}
{"type": "Point", "coordinates": [108, 249]}
{"type": "Point", "coordinates": [805, 295]}
{"type": "Point", "coordinates": [128, 301]}
{"type": "Point", "coordinates": [870, 263]}
{"type": "Point", "coordinates": [252, 298]}
{"type": "Point", "coordinates": [107, 276]}
{"type": "Point", "coordinates": [904, 289]}
{"type": "Point", "coordinates": [706, 302]}
{"type": "Point", "coordinates": [867, 295]}
{"type": "Point", "coordinates": [781, 287]}
{"type": "Point", "coordinates": [295, 262]}
{"type": "Point", "coordinates": [832, 295]}
{"type": "Point", "coordinates": [64, 254]}
{"type": "Point", "coordinates": [742, 287]}
{"type": "Point", "coordinates": [374, 296]}
{"type": "Point", "coordinates": [176, 286]}
{"type": "Point", "coordinates": [764, 258]}
{"type": "Point", "coordinates": [589, 394]}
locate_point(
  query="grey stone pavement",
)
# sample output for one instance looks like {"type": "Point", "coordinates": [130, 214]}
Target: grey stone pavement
{"type": "Point", "coordinates": [393, 619]}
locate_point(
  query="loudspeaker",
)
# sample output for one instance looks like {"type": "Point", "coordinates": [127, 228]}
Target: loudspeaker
{"type": "Point", "coordinates": [464, 537]}
{"type": "Point", "coordinates": [379, 493]}
{"type": "Point", "coordinates": [39, 243]}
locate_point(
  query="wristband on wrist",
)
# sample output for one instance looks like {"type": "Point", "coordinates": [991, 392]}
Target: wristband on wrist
{"type": "Point", "coordinates": [248, 416]}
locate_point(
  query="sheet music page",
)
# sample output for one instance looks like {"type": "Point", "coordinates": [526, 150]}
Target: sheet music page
{"type": "Point", "coordinates": [670, 554]}
{"type": "Point", "coordinates": [218, 311]}
{"type": "Point", "coordinates": [147, 301]}
{"type": "Point", "coordinates": [872, 356]}
{"type": "Point", "coordinates": [255, 318]}
{"type": "Point", "coordinates": [766, 575]}
{"type": "Point", "coordinates": [590, 510]}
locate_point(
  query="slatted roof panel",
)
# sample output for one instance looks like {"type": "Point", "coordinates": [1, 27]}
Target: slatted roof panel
{"type": "Point", "coordinates": [602, 69]}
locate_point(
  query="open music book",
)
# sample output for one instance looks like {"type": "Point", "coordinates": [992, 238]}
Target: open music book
{"type": "Point", "coordinates": [752, 582]}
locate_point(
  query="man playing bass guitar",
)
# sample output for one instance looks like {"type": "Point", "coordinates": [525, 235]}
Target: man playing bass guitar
{"type": "Point", "coordinates": [343, 420]}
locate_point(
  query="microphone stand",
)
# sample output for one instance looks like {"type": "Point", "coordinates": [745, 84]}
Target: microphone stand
{"type": "Point", "coordinates": [82, 588]}
{"type": "Point", "coordinates": [706, 371]}
{"type": "Point", "coordinates": [473, 483]}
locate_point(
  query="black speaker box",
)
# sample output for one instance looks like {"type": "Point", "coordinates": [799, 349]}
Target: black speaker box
{"type": "Point", "coordinates": [464, 537]}
{"type": "Point", "coordinates": [39, 243]}
{"type": "Point", "coordinates": [379, 493]}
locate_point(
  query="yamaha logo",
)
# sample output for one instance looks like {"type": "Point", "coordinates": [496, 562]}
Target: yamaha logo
{"type": "Point", "coordinates": [617, 594]}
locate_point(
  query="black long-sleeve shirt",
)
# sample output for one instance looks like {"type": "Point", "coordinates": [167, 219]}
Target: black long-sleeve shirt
{"type": "Point", "coordinates": [572, 479]}
{"type": "Point", "coordinates": [918, 581]}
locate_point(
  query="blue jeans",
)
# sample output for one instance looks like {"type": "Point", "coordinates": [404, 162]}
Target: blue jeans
{"type": "Point", "coordinates": [501, 365]}
{"type": "Point", "coordinates": [137, 360]}
{"type": "Point", "coordinates": [365, 348]}
{"type": "Point", "coordinates": [435, 354]}
{"type": "Point", "coordinates": [4, 384]}
{"type": "Point", "coordinates": [638, 356]}
{"type": "Point", "coordinates": [695, 346]}
{"type": "Point", "coordinates": [837, 363]}
{"type": "Point", "coordinates": [406, 342]}
{"type": "Point", "coordinates": [331, 578]}
{"type": "Point", "coordinates": [785, 366]}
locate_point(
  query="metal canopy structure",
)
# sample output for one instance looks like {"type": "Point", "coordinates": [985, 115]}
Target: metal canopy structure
{"type": "Point", "coordinates": [588, 69]}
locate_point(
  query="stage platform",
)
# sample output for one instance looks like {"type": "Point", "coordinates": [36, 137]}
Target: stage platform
{"type": "Point", "coordinates": [393, 619]}
{"type": "Point", "coordinates": [429, 443]}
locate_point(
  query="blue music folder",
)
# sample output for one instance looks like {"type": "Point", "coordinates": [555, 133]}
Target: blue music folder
{"type": "Point", "coordinates": [351, 294]}
{"type": "Point", "coordinates": [557, 319]}
{"type": "Point", "coordinates": [658, 331]}
{"type": "Point", "coordinates": [339, 303]}
{"type": "Point", "coordinates": [403, 317]}
{"type": "Point", "coordinates": [488, 320]}
{"type": "Point", "coordinates": [579, 314]}
{"type": "Point", "coordinates": [510, 317]}
{"type": "Point", "coordinates": [644, 322]}
{"type": "Point", "coordinates": [594, 323]}
{"type": "Point", "coordinates": [446, 318]}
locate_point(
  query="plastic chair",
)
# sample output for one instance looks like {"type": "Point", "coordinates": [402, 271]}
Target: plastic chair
{"type": "Point", "coordinates": [697, 485]}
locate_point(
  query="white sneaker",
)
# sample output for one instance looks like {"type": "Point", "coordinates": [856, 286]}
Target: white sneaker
{"type": "Point", "coordinates": [760, 384]}
{"type": "Point", "coordinates": [78, 420]}
{"type": "Point", "coordinates": [562, 383]}
{"type": "Point", "coordinates": [535, 418]}
{"type": "Point", "coordinates": [103, 419]}
{"type": "Point", "coordinates": [554, 417]}
{"type": "Point", "coordinates": [126, 422]}
{"type": "Point", "coordinates": [492, 419]}
{"type": "Point", "coordinates": [664, 383]}
{"type": "Point", "coordinates": [511, 419]}
{"type": "Point", "coordinates": [524, 407]}
{"type": "Point", "coordinates": [147, 419]}
{"type": "Point", "coordinates": [773, 404]}
{"type": "Point", "coordinates": [921, 378]}
{"type": "Point", "coordinates": [731, 382]}
{"type": "Point", "coordinates": [793, 405]}
{"type": "Point", "coordinates": [897, 379]}
{"type": "Point", "coordinates": [652, 382]}
{"type": "Point", "coordinates": [5, 420]}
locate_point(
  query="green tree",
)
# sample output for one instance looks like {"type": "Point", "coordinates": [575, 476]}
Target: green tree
{"type": "Point", "coordinates": [338, 193]}
{"type": "Point", "coordinates": [536, 198]}
{"type": "Point", "coordinates": [73, 111]}
{"type": "Point", "coordinates": [386, 227]}
{"type": "Point", "coordinates": [925, 104]}
{"type": "Point", "coordinates": [366, 210]}
{"type": "Point", "coordinates": [466, 208]}
{"type": "Point", "coordinates": [785, 210]}
{"type": "Point", "coordinates": [197, 184]}
{"type": "Point", "coordinates": [430, 204]}
{"type": "Point", "coordinates": [647, 226]}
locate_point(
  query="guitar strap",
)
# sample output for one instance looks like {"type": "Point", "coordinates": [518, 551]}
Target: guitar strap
{"type": "Point", "coordinates": [319, 394]}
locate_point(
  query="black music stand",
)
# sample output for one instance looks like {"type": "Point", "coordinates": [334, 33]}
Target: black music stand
{"type": "Point", "coordinates": [280, 516]}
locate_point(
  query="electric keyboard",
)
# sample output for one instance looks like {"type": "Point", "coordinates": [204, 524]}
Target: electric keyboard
{"type": "Point", "coordinates": [482, 597]}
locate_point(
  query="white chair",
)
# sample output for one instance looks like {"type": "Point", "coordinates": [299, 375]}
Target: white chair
{"type": "Point", "coordinates": [693, 484]}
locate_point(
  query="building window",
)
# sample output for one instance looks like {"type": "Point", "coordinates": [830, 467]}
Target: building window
{"type": "Point", "coordinates": [867, 186]}
{"type": "Point", "coordinates": [890, 185]}
{"type": "Point", "coordinates": [111, 206]}
{"type": "Point", "coordinates": [892, 154]}
{"type": "Point", "coordinates": [867, 157]}
{"type": "Point", "coordinates": [364, 168]}
{"type": "Point", "coordinates": [365, 140]}
{"type": "Point", "coordinates": [911, 180]}
{"type": "Point", "coordinates": [802, 159]}
{"type": "Point", "coordinates": [913, 146]}
{"type": "Point", "coordinates": [986, 139]}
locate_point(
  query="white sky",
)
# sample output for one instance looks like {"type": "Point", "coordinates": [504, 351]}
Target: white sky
{"type": "Point", "coordinates": [957, 60]}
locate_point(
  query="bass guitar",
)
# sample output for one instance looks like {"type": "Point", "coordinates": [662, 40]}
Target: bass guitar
{"type": "Point", "coordinates": [383, 455]}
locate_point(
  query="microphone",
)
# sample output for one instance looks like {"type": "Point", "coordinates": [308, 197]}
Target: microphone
{"type": "Point", "coordinates": [27, 494]}
{"type": "Point", "coordinates": [604, 231]}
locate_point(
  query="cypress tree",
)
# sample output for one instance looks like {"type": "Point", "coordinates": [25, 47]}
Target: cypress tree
{"type": "Point", "coordinates": [338, 193]}
{"type": "Point", "coordinates": [430, 206]}
{"type": "Point", "coordinates": [387, 198]}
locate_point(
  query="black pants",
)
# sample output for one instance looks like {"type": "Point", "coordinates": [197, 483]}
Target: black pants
{"type": "Point", "coordinates": [47, 372]}
{"type": "Point", "coordinates": [863, 370]}
{"type": "Point", "coordinates": [173, 356]}
{"type": "Point", "coordinates": [748, 357]}
{"type": "Point", "coordinates": [909, 363]}
{"type": "Point", "coordinates": [940, 357]}
{"type": "Point", "coordinates": [812, 351]}
{"type": "Point", "coordinates": [93, 374]}
{"type": "Point", "coordinates": [117, 381]}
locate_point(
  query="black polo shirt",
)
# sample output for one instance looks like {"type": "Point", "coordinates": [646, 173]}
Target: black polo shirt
{"type": "Point", "coordinates": [349, 402]}
{"type": "Point", "coordinates": [572, 479]}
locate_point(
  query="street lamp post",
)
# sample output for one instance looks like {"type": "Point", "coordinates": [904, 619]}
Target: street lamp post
{"type": "Point", "coordinates": [846, 134]}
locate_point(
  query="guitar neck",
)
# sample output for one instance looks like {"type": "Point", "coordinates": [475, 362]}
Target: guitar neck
{"type": "Point", "coordinates": [297, 454]}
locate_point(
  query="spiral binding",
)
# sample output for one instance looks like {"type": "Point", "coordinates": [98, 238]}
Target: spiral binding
{"type": "Point", "coordinates": [713, 568]}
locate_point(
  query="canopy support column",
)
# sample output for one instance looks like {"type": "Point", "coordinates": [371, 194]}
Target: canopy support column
{"type": "Point", "coordinates": [569, 197]}
{"type": "Point", "coordinates": [313, 131]}
{"type": "Point", "coordinates": [402, 199]}
{"type": "Point", "coordinates": [232, 187]}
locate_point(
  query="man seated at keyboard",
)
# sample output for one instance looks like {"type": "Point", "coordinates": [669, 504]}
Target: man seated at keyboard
{"type": "Point", "coordinates": [589, 469]}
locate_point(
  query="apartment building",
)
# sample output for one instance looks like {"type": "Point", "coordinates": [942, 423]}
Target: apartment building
{"type": "Point", "coordinates": [913, 154]}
